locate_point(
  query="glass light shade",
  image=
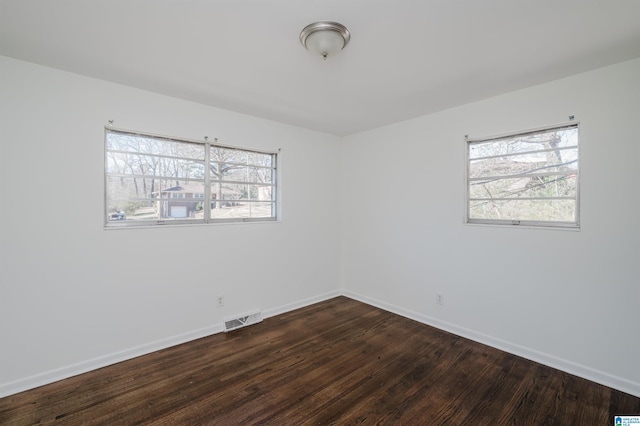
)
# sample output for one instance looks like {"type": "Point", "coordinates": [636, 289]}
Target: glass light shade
{"type": "Point", "coordinates": [325, 38]}
{"type": "Point", "coordinates": [324, 43]}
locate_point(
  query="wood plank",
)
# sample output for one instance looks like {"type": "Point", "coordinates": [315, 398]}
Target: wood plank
{"type": "Point", "coordinates": [335, 362]}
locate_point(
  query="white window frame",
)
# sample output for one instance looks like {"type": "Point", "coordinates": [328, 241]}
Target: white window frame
{"type": "Point", "coordinates": [207, 183]}
{"type": "Point", "coordinates": [569, 225]}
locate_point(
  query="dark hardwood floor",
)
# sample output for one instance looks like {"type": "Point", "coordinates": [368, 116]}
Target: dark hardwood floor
{"type": "Point", "coordinates": [337, 362]}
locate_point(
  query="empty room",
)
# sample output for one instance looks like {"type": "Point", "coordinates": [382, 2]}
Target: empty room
{"type": "Point", "coordinates": [319, 212]}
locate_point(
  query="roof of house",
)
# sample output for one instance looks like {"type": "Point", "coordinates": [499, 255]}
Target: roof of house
{"type": "Point", "coordinates": [185, 188]}
{"type": "Point", "coordinates": [195, 189]}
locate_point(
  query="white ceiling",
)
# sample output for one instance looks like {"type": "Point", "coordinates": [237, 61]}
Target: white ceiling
{"type": "Point", "coordinates": [405, 59]}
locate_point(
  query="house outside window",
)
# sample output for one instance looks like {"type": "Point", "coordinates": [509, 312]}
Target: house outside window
{"type": "Point", "coordinates": [525, 179]}
{"type": "Point", "coordinates": [153, 180]}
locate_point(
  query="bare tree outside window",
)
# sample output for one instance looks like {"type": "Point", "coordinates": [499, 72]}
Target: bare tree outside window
{"type": "Point", "coordinates": [155, 180]}
{"type": "Point", "coordinates": [525, 179]}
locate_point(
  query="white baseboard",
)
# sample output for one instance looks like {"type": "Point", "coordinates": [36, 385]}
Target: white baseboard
{"type": "Point", "coordinates": [27, 383]}
{"type": "Point", "coordinates": [588, 373]}
{"type": "Point", "coordinates": [47, 377]}
{"type": "Point", "coordinates": [300, 304]}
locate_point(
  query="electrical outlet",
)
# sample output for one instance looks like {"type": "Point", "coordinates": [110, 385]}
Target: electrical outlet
{"type": "Point", "coordinates": [439, 299]}
{"type": "Point", "coordinates": [220, 300]}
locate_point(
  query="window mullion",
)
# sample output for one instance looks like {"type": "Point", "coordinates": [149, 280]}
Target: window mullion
{"type": "Point", "coordinates": [206, 204]}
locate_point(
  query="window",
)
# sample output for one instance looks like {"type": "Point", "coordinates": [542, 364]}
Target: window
{"type": "Point", "coordinates": [530, 179]}
{"type": "Point", "coordinates": [152, 180]}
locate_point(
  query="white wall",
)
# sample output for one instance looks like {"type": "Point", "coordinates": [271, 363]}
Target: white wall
{"type": "Point", "coordinates": [73, 295]}
{"type": "Point", "coordinates": [568, 299]}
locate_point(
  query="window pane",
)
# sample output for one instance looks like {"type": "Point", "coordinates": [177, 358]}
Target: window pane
{"type": "Point", "coordinates": [236, 174]}
{"type": "Point", "coordinates": [546, 139]}
{"type": "Point", "coordinates": [227, 164]}
{"type": "Point", "coordinates": [232, 191]}
{"type": "Point", "coordinates": [525, 187]}
{"type": "Point", "coordinates": [536, 172]}
{"type": "Point", "coordinates": [229, 191]}
{"type": "Point", "coordinates": [259, 159]}
{"type": "Point", "coordinates": [228, 155]}
{"type": "Point", "coordinates": [539, 162]}
{"type": "Point", "coordinates": [246, 174]}
{"type": "Point", "coordinates": [130, 198]}
{"type": "Point", "coordinates": [261, 192]}
{"type": "Point", "coordinates": [138, 144]}
{"type": "Point", "coordinates": [260, 175]}
{"type": "Point", "coordinates": [259, 209]}
{"type": "Point", "coordinates": [530, 210]}
{"type": "Point", "coordinates": [244, 209]}
{"type": "Point", "coordinates": [137, 164]}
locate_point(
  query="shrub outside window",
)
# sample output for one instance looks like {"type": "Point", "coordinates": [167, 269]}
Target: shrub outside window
{"type": "Point", "coordinates": [529, 178]}
{"type": "Point", "coordinates": [153, 180]}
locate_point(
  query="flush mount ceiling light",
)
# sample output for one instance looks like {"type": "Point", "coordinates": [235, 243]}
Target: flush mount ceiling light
{"type": "Point", "coordinates": [325, 38]}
